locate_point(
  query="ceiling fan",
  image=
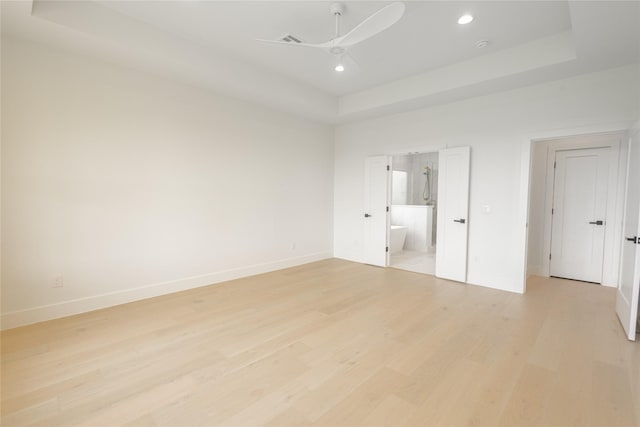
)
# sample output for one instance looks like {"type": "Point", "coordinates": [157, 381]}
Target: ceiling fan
{"type": "Point", "coordinates": [337, 46]}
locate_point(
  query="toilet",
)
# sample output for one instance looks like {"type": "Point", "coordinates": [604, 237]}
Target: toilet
{"type": "Point", "coordinates": [397, 236]}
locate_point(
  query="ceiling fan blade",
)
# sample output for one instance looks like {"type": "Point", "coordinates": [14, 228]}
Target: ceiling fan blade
{"type": "Point", "coordinates": [378, 22]}
{"type": "Point", "coordinates": [318, 45]}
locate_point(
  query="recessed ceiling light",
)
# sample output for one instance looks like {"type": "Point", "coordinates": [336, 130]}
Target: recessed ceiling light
{"type": "Point", "coordinates": [465, 19]}
{"type": "Point", "coordinates": [339, 68]}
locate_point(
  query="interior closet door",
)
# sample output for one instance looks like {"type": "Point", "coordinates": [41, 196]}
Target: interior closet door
{"type": "Point", "coordinates": [579, 212]}
{"type": "Point", "coordinates": [453, 208]}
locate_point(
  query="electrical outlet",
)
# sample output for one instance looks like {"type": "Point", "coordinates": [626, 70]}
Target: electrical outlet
{"type": "Point", "coordinates": [58, 282]}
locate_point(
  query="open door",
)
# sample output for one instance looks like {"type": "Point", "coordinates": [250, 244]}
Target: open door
{"type": "Point", "coordinates": [453, 209]}
{"type": "Point", "coordinates": [377, 182]}
{"type": "Point", "coordinates": [629, 286]}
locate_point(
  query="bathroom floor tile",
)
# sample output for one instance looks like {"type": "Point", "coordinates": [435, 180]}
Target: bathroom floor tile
{"type": "Point", "coordinates": [418, 262]}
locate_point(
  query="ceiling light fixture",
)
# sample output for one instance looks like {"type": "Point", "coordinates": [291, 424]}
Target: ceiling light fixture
{"type": "Point", "coordinates": [465, 19]}
{"type": "Point", "coordinates": [339, 68]}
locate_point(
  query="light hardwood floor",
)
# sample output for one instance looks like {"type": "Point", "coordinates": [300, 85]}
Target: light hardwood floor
{"type": "Point", "coordinates": [331, 343]}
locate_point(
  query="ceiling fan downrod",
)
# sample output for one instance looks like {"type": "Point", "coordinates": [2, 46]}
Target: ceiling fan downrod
{"type": "Point", "coordinates": [337, 9]}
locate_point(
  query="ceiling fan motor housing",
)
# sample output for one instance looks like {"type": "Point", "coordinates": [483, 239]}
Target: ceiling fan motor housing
{"type": "Point", "coordinates": [337, 8]}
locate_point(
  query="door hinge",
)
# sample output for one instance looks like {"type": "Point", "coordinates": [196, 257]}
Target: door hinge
{"type": "Point", "coordinates": [554, 165]}
{"type": "Point", "coordinates": [388, 168]}
{"type": "Point", "coordinates": [551, 211]}
{"type": "Point", "coordinates": [387, 208]}
{"type": "Point", "coordinates": [549, 256]}
{"type": "Point", "coordinates": [386, 249]}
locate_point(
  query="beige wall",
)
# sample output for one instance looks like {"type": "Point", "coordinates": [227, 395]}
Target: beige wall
{"type": "Point", "coordinates": [130, 185]}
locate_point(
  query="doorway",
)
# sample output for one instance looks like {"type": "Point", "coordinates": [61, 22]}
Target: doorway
{"type": "Point", "coordinates": [575, 208]}
{"type": "Point", "coordinates": [414, 207]}
{"type": "Point", "coordinates": [408, 230]}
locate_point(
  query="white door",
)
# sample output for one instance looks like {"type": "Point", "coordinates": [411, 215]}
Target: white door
{"type": "Point", "coordinates": [453, 208]}
{"type": "Point", "coordinates": [627, 295]}
{"type": "Point", "coordinates": [376, 212]}
{"type": "Point", "coordinates": [579, 210]}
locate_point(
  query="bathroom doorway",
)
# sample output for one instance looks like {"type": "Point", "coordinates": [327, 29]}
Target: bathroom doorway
{"type": "Point", "coordinates": [414, 202]}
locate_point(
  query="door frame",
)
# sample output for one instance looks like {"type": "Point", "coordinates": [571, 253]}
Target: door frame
{"type": "Point", "coordinates": [365, 210]}
{"type": "Point", "coordinates": [614, 136]}
{"type": "Point", "coordinates": [422, 149]}
{"type": "Point", "coordinates": [436, 148]}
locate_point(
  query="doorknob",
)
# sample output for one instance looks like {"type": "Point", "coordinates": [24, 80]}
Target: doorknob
{"type": "Point", "coordinates": [633, 239]}
{"type": "Point", "coordinates": [461, 220]}
{"type": "Point", "coordinates": [367, 215]}
{"type": "Point", "coordinates": [596, 222]}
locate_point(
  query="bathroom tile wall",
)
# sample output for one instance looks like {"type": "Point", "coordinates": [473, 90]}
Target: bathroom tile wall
{"type": "Point", "coordinates": [414, 165]}
{"type": "Point", "coordinates": [418, 163]}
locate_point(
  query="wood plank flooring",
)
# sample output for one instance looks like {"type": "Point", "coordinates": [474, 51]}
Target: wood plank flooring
{"type": "Point", "coordinates": [332, 343]}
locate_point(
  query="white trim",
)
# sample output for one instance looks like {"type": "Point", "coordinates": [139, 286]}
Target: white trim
{"type": "Point", "coordinates": [387, 259]}
{"type": "Point", "coordinates": [502, 284]}
{"type": "Point", "coordinates": [14, 319]}
{"type": "Point", "coordinates": [616, 127]}
{"type": "Point", "coordinates": [419, 148]}
{"type": "Point", "coordinates": [535, 270]}
{"type": "Point", "coordinates": [523, 209]}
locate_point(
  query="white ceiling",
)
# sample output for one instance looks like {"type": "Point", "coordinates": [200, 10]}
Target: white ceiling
{"type": "Point", "coordinates": [424, 59]}
{"type": "Point", "coordinates": [427, 37]}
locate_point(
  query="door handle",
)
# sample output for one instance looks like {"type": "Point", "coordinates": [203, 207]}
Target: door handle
{"type": "Point", "coordinates": [633, 239]}
{"type": "Point", "coordinates": [461, 220]}
{"type": "Point", "coordinates": [367, 215]}
{"type": "Point", "coordinates": [596, 222]}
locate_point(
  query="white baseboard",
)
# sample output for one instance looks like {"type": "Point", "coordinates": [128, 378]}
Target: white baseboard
{"type": "Point", "coordinates": [500, 285]}
{"type": "Point", "coordinates": [14, 319]}
{"type": "Point", "coordinates": [539, 271]}
{"type": "Point", "coordinates": [536, 270]}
